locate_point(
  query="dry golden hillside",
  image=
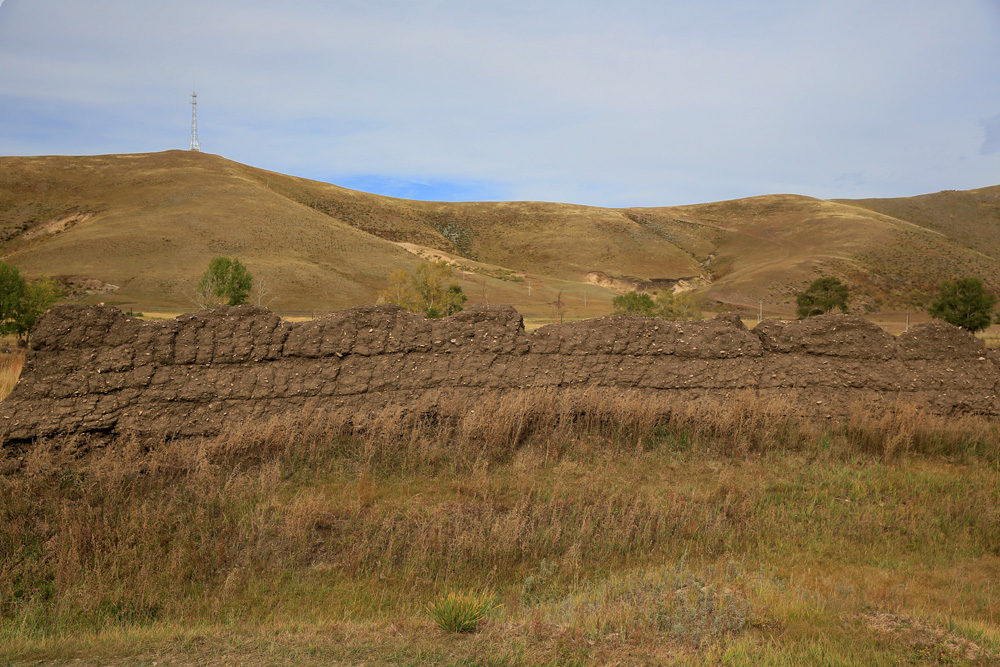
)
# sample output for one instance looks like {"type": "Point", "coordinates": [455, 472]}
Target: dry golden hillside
{"type": "Point", "coordinates": [145, 227]}
{"type": "Point", "coordinates": [150, 223]}
{"type": "Point", "coordinates": [764, 248]}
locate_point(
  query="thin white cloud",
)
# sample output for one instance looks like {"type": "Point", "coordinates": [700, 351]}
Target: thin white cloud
{"type": "Point", "coordinates": [991, 142]}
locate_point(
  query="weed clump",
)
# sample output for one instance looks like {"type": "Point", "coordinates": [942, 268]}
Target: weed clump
{"type": "Point", "coordinates": [463, 612]}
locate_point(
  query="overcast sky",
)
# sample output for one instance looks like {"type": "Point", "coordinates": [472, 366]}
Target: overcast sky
{"type": "Point", "coordinates": [603, 102]}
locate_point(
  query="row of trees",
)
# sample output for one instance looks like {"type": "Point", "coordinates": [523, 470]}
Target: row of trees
{"type": "Point", "coordinates": [963, 302]}
{"type": "Point", "coordinates": [431, 290]}
{"type": "Point", "coordinates": [434, 291]}
{"type": "Point", "coordinates": [822, 296]}
{"type": "Point", "coordinates": [22, 302]}
{"type": "Point", "coordinates": [667, 305]}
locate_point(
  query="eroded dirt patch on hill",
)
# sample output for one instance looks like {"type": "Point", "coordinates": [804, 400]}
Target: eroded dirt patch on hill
{"type": "Point", "coordinates": [56, 225]}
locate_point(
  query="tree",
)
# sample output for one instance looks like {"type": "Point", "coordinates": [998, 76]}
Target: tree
{"type": "Point", "coordinates": [634, 303]}
{"type": "Point", "coordinates": [12, 287]}
{"type": "Point", "coordinates": [822, 296]}
{"type": "Point", "coordinates": [431, 290]}
{"type": "Point", "coordinates": [224, 281]}
{"type": "Point", "coordinates": [558, 309]}
{"type": "Point", "coordinates": [677, 307]}
{"type": "Point", "coordinates": [965, 303]}
{"type": "Point", "coordinates": [23, 302]}
{"type": "Point", "coordinates": [261, 294]}
{"type": "Point", "coordinates": [39, 296]}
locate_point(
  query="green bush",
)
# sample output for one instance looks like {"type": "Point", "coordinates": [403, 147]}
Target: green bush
{"type": "Point", "coordinates": [677, 307]}
{"type": "Point", "coordinates": [634, 303]}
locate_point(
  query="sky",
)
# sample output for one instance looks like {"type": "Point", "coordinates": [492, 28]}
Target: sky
{"type": "Point", "coordinates": [597, 102]}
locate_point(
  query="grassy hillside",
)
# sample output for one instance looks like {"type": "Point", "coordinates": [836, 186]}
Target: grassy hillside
{"type": "Point", "coordinates": [148, 224]}
{"type": "Point", "coordinates": [766, 247]}
{"type": "Point", "coordinates": [970, 218]}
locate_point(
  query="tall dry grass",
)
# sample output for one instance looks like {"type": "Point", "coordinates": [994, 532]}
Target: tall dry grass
{"type": "Point", "coordinates": [551, 499]}
{"type": "Point", "coordinates": [10, 370]}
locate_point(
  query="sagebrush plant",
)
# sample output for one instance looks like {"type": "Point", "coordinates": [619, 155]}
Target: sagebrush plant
{"type": "Point", "coordinates": [464, 611]}
{"type": "Point", "coordinates": [692, 607]}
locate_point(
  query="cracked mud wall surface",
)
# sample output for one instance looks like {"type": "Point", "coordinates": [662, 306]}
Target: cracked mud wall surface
{"type": "Point", "coordinates": [92, 369]}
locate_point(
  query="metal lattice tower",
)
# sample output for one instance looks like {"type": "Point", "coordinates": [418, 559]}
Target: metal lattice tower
{"type": "Point", "coordinates": [195, 146]}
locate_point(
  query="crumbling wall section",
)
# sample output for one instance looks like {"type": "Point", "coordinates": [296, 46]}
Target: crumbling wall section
{"type": "Point", "coordinates": [93, 369]}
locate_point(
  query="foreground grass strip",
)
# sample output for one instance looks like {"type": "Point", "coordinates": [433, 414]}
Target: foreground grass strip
{"type": "Point", "coordinates": [615, 533]}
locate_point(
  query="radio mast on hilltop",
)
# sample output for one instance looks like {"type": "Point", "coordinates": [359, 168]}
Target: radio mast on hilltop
{"type": "Point", "coordinates": [195, 146]}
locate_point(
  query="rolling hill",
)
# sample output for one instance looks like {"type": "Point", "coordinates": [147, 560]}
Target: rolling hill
{"type": "Point", "coordinates": [138, 230]}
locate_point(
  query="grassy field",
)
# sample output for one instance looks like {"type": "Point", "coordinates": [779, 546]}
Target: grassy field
{"type": "Point", "coordinates": [605, 530]}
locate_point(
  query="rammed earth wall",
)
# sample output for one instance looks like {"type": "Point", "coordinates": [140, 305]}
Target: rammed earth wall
{"type": "Point", "coordinates": [92, 369]}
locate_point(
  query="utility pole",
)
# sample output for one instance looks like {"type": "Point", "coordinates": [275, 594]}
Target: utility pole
{"type": "Point", "coordinates": [195, 146]}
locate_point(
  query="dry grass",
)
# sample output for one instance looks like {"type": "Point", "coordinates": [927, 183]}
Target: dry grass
{"type": "Point", "coordinates": [10, 371]}
{"type": "Point", "coordinates": [612, 527]}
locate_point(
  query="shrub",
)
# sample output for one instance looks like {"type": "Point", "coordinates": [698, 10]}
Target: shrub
{"type": "Point", "coordinates": [964, 303]}
{"type": "Point", "coordinates": [634, 303]}
{"type": "Point", "coordinates": [677, 307]}
{"type": "Point", "coordinates": [463, 612]}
